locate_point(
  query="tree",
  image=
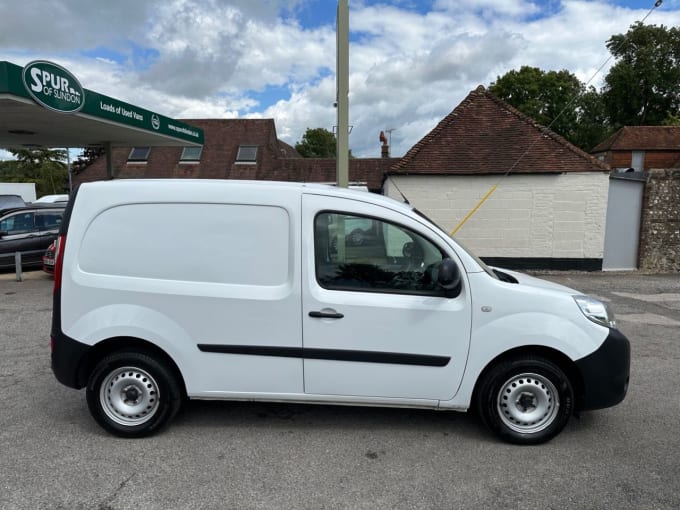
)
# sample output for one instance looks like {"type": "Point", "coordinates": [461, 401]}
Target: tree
{"type": "Point", "coordinates": [643, 86]}
{"type": "Point", "coordinates": [672, 120]}
{"type": "Point", "coordinates": [88, 156]}
{"type": "Point", "coordinates": [8, 171]}
{"type": "Point", "coordinates": [317, 143]}
{"type": "Point", "coordinates": [557, 99]}
{"type": "Point", "coordinates": [591, 126]}
{"type": "Point", "coordinates": [44, 167]}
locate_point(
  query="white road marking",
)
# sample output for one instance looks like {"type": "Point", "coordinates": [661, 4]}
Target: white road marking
{"type": "Point", "coordinates": [647, 318]}
{"type": "Point", "coordinates": [651, 298]}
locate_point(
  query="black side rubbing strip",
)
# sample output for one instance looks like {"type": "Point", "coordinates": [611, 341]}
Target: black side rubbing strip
{"type": "Point", "coordinates": [394, 358]}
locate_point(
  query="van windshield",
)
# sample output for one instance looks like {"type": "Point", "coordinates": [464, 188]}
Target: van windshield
{"type": "Point", "coordinates": [479, 261]}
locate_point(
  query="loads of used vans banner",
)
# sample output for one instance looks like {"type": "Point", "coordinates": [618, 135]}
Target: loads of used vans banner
{"type": "Point", "coordinates": [309, 293]}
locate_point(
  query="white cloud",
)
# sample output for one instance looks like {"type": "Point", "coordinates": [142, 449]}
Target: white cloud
{"type": "Point", "coordinates": [494, 8]}
{"type": "Point", "coordinates": [204, 58]}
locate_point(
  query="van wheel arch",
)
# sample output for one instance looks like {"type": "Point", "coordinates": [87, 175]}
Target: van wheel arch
{"type": "Point", "coordinates": [558, 358]}
{"type": "Point", "coordinates": [127, 344]}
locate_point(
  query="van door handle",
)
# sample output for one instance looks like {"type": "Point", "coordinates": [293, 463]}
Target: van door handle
{"type": "Point", "coordinates": [326, 315]}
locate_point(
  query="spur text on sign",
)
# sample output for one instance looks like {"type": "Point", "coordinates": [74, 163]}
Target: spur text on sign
{"type": "Point", "coordinates": [53, 87]}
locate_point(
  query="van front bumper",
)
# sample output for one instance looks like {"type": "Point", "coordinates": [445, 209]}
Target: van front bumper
{"type": "Point", "coordinates": [605, 373]}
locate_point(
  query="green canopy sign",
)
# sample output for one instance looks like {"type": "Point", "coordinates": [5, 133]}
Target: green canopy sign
{"type": "Point", "coordinates": [54, 91]}
{"type": "Point", "coordinates": [53, 87]}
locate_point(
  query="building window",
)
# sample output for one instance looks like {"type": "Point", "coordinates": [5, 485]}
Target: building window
{"type": "Point", "coordinates": [191, 154]}
{"type": "Point", "coordinates": [139, 155]}
{"type": "Point", "coordinates": [247, 154]}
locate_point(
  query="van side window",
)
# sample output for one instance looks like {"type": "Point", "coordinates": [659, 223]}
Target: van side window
{"type": "Point", "coordinates": [360, 253]}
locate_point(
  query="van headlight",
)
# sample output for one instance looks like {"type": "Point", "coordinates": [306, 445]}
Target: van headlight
{"type": "Point", "coordinates": [597, 311]}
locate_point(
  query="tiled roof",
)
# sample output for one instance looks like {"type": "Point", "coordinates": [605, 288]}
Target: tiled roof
{"type": "Point", "coordinates": [222, 140]}
{"type": "Point", "coordinates": [484, 135]}
{"type": "Point", "coordinates": [370, 171]}
{"type": "Point", "coordinates": [645, 138]}
{"type": "Point", "coordinates": [287, 151]}
{"type": "Point", "coordinates": [276, 160]}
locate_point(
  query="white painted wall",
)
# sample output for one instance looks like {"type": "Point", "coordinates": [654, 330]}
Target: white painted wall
{"type": "Point", "coordinates": [24, 189]}
{"type": "Point", "coordinates": [548, 215]}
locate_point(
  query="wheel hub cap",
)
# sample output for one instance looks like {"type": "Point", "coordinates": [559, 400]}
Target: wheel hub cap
{"type": "Point", "coordinates": [129, 396]}
{"type": "Point", "coordinates": [132, 395]}
{"type": "Point", "coordinates": [528, 403]}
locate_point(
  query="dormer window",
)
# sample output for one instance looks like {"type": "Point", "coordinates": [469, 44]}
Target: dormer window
{"type": "Point", "coordinates": [139, 155]}
{"type": "Point", "coordinates": [247, 154]}
{"type": "Point", "coordinates": [191, 155]}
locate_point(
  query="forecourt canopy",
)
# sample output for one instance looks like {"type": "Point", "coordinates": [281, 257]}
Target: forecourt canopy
{"type": "Point", "coordinates": [44, 105]}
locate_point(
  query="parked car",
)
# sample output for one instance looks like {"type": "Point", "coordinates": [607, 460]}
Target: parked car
{"type": "Point", "coordinates": [51, 199]}
{"type": "Point", "coordinates": [48, 258]}
{"type": "Point", "coordinates": [28, 230]}
{"type": "Point", "coordinates": [10, 202]}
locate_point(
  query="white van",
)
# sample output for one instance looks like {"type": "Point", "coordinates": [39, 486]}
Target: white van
{"type": "Point", "coordinates": [239, 290]}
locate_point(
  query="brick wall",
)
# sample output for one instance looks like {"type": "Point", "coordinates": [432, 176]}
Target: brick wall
{"type": "Point", "coordinates": [660, 229]}
{"type": "Point", "coordinates": [554, 216]}
{"type": "Point", "coordinates": [653, 159]}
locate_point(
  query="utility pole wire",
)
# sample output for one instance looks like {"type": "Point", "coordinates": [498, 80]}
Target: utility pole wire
{"type": "Point", "coordinates": [535, 141]}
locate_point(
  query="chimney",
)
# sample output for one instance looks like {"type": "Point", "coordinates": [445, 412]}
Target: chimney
{"type": "Point", "coordinates": [384, 148]}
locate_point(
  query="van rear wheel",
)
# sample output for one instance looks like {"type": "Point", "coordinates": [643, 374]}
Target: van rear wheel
{"type": "Point", "coordinates": [526, 400]}
{"type": "Point", "coordinates": [132, 394]}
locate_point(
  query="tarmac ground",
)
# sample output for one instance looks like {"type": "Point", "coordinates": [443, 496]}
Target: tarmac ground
{"type": "Point", "coordinates": [259, 456]}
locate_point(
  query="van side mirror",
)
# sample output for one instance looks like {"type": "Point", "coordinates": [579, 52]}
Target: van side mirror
{"type": "Point", "coordinates": [3, 234]}
{"type": "Point", "coordinates": [448, 277]}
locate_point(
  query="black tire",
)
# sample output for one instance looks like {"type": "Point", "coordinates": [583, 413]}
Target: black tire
{"type": "Point", "coordinates": [132, 394]}
{"type": "Point", "coordinates": [525, 400]}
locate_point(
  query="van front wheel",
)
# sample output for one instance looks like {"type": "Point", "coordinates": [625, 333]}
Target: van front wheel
{"type": "Point", "coordinates": [132, 395]}
{"type": "Point", "coordinates": [526, 400]}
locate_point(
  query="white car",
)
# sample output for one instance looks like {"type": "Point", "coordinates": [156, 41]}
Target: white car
{"type": "Point", "coordinates": [51, 199]}
{"type": "Point", "coordinates": [253, 303]}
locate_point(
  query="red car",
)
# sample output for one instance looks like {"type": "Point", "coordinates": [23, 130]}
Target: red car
{"type": "Point", "coordinates": [48, 259]}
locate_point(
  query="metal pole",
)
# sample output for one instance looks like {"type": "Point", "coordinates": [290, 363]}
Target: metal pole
{"type": "Point", "coordinates": [109, 163]}
{"type": "Point", "coordinates": [17, 266]}
{"type": "Point", "coordinates": [342, 78]}
{"type": "Point", "coordinates": [68, 167]}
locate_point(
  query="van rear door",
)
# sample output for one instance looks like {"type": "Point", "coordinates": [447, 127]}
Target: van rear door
{"type": "Point", "coordinates": [374, 322]}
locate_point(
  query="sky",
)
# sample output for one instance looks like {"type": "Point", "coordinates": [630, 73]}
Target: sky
{"type": "Point", "coordinates": [411, 61]}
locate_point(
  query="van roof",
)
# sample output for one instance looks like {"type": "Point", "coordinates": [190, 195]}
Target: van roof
{"type": "Point", "coordinates": [196, 184]}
